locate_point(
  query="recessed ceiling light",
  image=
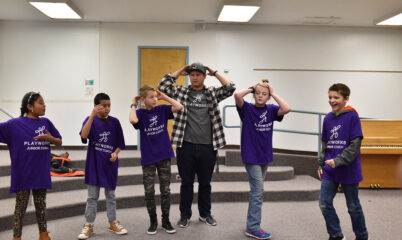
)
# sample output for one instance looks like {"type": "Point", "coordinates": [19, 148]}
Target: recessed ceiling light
{"type": "Point", "coordinates": [238, 10]}
{"type": "Point", "coordinates": [394, 20]}
{"type": "Point", "coordinates": [57, 9]}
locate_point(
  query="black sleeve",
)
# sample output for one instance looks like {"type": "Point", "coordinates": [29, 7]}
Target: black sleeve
{"type": "Point", "coordinates": [321, 160]}
{"type": "Point", "coordinates": [349, 154]}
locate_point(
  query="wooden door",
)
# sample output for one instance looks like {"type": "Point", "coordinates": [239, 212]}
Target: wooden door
{"type": "Point", "coordinates": [156, 62]}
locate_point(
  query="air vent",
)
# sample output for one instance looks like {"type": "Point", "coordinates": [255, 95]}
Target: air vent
{"type": "Point", "coordinates": [316, 20]}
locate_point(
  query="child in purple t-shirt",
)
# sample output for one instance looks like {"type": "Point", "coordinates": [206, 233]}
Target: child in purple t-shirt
{"type": "Point", "coordinates": [156, 150]}
{"type": "Point", "coordinates": [28, 138]}
{"type": "Point", "coordinates": [256, 145]}
{"type": "Point", "coordinates": [340, 163]}
{"type": "Point", "coordinates": [105, 142]}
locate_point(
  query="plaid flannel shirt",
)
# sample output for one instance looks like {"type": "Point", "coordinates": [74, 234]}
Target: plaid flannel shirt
{"type": "Point", "coordinates": [214, 95]}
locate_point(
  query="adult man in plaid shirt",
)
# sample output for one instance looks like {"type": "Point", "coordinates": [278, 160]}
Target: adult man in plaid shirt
{"type": "Point", "coordinates": [197, 134]}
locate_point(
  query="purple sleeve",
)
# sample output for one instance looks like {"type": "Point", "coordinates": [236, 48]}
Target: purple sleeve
{"type": "Point", "coordinates": [4, 132]}
{"type": "Point", "coordinates": [274, 110]}
{"type": "Point", "coordinates": [137, 125]}
{"type": "Point", "coordinates": [242, 110]}
{"type": "Point", "coordinates": [355, 127]}
{"type": "Point", "coordinates": [119, 136]}
{"type": "Point", "coordinates": [52, 129]}
{"type": "Point", "coordinates": [168, 111]}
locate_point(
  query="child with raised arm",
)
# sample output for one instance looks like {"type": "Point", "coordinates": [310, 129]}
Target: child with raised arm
{"type": "Point", "coordinates": [28, 138]}
{"type": "Point", "coordinates": [105, 142]}
{"type": "Point", "coordinates": [156, 150]}
{"type": "Point", "coordinates": [340, 163]}
{"type": "Point", "coordinates": [256, 146]}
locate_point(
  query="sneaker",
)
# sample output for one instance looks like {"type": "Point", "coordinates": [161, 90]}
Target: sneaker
{"type": "Point", "coordinates": [86, 231]}
{"type": "Point", "coordinates": [208, 220]}
{"type": "Point", "coordinates": [337, 238]}
{"type": "Point", "coordinates": [183, 222]}
{"type": "Point", "coordinates": [258, 234]}
{"type": "Point", "coordinates": [168, 227]}
{"type": "Point", "coordinates": [152, 227]}
{"type": "Point", "coordinates": [362, 238]}
{"type": "Point", "coordinates": [117, 228]}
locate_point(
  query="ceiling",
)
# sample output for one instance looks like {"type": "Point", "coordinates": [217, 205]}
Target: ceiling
{"type": "Point", "coordinates": [279, 12]}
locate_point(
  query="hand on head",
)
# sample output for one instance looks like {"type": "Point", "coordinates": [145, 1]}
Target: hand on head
{"type": "Point", "coordinates": [136, 99]}
{"type": "Point", "coordinates": [98, 109]}
{"type": "Point", "coordinates": [183, 70]}
{"type": "Point", "coordinates": [210, 71]}
{"type": "Point", "coordinates": [160, 95]}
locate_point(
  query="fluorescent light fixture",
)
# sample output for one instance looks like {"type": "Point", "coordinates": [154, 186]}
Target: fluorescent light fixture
{"type": "Point", "coordinates": [394, 20]}
{"type": "Point", "coordinates": [57, 9]}
{"type": "Point", "coordinates": [238, 10]}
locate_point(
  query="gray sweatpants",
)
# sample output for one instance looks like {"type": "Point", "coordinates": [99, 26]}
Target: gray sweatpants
{"type": "Point", "coordinates": [92, 204]}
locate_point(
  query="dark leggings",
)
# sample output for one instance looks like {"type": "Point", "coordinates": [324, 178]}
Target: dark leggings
{"type": "Point", "coordinates": [21, 203]}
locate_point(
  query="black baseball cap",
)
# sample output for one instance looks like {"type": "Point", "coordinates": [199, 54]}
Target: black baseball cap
{"type": "Point", "coordinates": [196, 67]}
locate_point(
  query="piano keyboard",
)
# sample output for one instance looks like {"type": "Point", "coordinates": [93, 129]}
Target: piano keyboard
{"type": "Point", "coordinates": [381, 146]}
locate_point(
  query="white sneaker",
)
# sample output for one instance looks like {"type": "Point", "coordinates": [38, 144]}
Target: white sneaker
{"type": "Point", "coordinates": [87, 231]}
{"type": "Point", "coordinates": [117, 228]}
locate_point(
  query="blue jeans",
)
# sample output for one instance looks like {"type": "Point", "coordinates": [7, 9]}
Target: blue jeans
{"type": "Point", "coordinates": [256, 177]}
{"type": "Point", "coordinates": [92, 204]}
{"type": "Point", "coordinates": [351, 191]}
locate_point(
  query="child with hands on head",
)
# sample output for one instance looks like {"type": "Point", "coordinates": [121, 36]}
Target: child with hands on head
{"type": "Point", "coordinates": [106, 140]}
{"type": "Point", "coordinates": [28, 138]}
{"type": "Point", "coordinates": [256, 145]}
{"type": "Point", "coordinates": [156, 150]}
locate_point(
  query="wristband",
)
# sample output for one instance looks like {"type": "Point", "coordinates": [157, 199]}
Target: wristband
{"type": "Point", "coordinates": [252, 89]}
{"type": "Point", "coordinates": [215, 72]}
{"type": "Point", "coordinates": [133, 105]}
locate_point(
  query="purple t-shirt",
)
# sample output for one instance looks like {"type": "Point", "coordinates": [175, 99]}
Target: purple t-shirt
{"type": "Point", "coordinates": [104, 137]}
{"type": "Point", "coordinates": [256, 133]}
{"type": "Point", "coordinates": [154, 136]}
{"type": "Point", "coordinates": [30, 158]}
{"type": "Point", "coordinates": [337, 131]}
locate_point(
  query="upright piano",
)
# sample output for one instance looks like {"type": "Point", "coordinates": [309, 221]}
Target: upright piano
{"type": "Point", "coordinates": [380, 152]}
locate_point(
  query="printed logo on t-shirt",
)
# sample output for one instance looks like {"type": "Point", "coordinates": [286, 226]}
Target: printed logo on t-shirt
{"type": "Point", "coordinates": [101, 146]}
{"type": "Point", "coordinates": [197, 102]}
{"type": "Point", "coordinates": [197, 98]}
{"type": "Point", "coordinates": [153, 121]}
{"type": "Point", "coordinates": [40, 130]}
{"type": "Point", "coordinates": [262, 124]}
{"type": "Point", "coordinates": [333, 142]}
{"type": "Point", "coordinates": [103, 136]}
{"type": "Point", "coordinates": [334, 132]}
{"type": "Point", "coordinates": [153, 127]}
{"type": "Point", "coordinates": [36, 145]}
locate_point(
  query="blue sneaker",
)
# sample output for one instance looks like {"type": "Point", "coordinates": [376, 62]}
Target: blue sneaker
{"type": "Point", "coordinates": [260, 234]}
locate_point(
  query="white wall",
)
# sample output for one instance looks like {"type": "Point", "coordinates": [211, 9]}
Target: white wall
{"type": "Point", "coordinates": [56, 58]}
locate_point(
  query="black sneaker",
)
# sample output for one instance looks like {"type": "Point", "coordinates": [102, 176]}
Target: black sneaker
{"type": "Point", "coordinates": [362, 238]}
{"type": "Point", "coordinates": [168, 227]}
{"type": "Point", "coordinates": [183, 222]}
{"type": "Point", "coordinates": [152, 228]}
{"type": "Point", "coordinates": [337, 238]}
{"type": "Point", "coordinates": [208, 220]}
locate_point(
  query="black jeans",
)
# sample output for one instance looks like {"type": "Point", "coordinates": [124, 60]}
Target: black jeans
{"type": "Point", "coordinates": [194, 159]}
